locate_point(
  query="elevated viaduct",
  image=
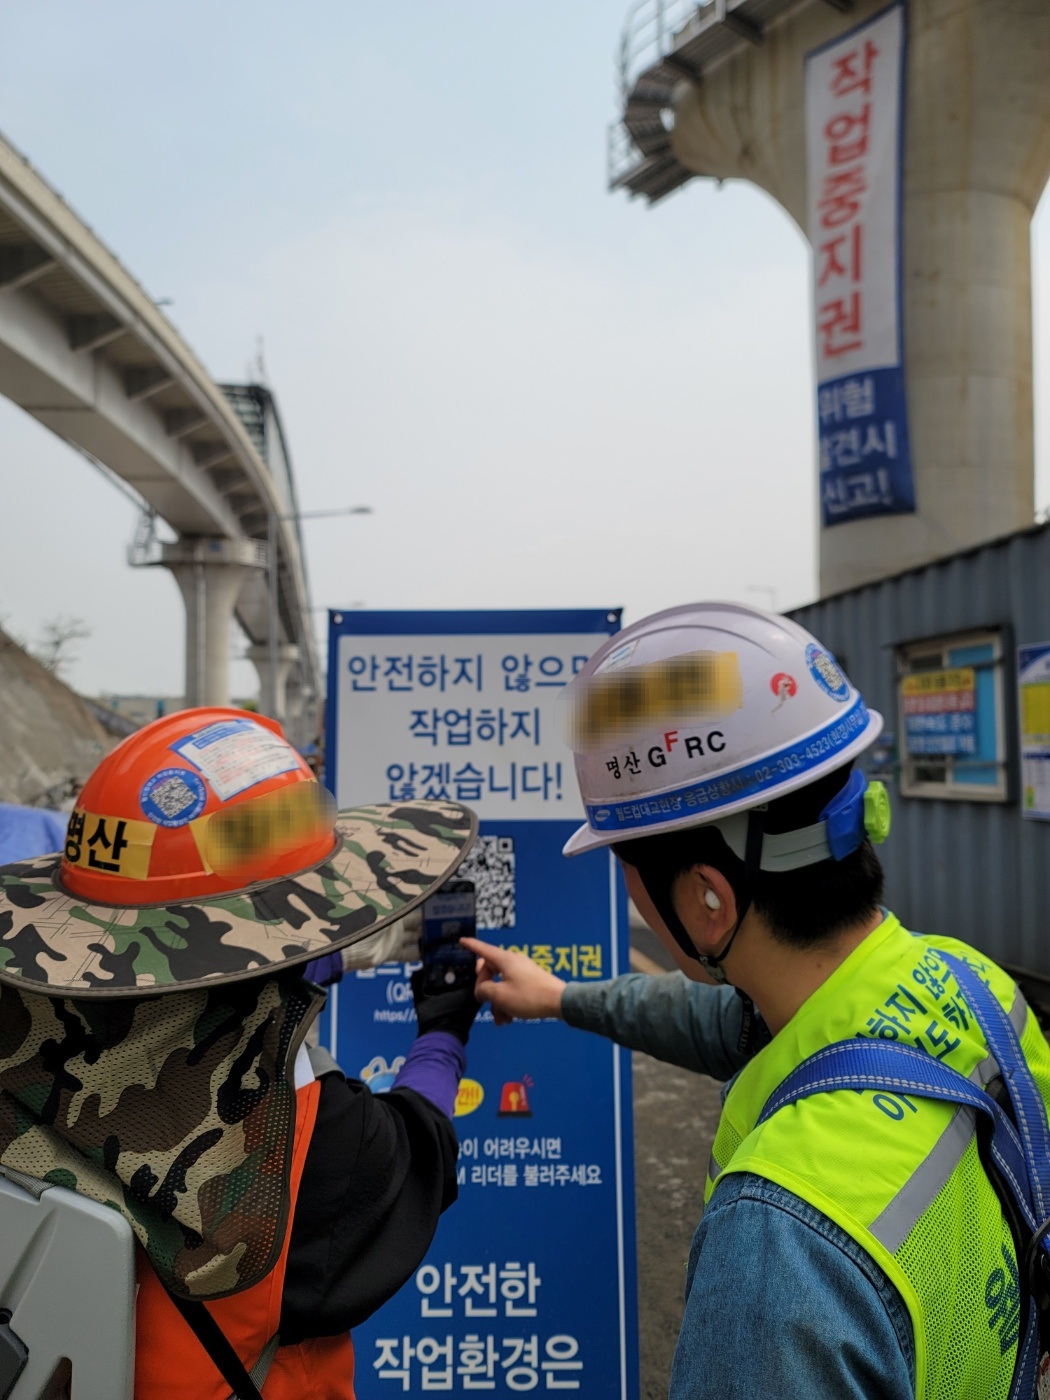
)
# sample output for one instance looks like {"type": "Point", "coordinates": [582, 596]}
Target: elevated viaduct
{"type": "Point", "coordinates": [86, 351]}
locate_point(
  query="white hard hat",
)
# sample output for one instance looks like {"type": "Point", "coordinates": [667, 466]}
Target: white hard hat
{"type": "Point", "coordinates": [703, 711]}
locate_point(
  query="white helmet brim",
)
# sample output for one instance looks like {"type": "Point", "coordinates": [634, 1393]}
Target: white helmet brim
{"type": "Point", "coordinates": [588, 838]}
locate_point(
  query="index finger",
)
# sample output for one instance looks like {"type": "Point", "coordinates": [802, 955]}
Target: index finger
{"type": "Point", "coordinates": [495, 957]}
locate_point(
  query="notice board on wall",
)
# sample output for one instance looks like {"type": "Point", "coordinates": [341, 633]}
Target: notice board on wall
{"type": "Point", "coordinates": [1033, 696]}
{"type": "Point", "coordinates": [940, 711]}
{"type": "Point", "coordinates": [530, 1282]}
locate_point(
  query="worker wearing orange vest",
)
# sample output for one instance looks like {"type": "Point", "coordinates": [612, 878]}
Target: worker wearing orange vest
{"type": "Point", "coordinates": [154, 1060]}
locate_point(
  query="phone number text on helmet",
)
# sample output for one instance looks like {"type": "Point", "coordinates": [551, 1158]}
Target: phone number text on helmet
{"type": "Point", "coordinates": [745, 781]}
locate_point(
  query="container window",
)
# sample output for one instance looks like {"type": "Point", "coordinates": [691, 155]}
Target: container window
{"type": "Point", "coordinates": [950, 698]}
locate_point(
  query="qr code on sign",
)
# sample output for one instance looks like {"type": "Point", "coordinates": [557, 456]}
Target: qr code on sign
{"type": "Point", "coordinates": [490, 866]}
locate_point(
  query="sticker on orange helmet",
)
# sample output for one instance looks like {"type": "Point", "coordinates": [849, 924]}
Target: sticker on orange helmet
{"type": "Point", "coordinates": [110, 845]}
{"type": "Point", "coordinates": [235, 754]}
{"type": "Point", "coordinates": [262, 828]}
{"type": "Point", "coordinates": [173, 797]}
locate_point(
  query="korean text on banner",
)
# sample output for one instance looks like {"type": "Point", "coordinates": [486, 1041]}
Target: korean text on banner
{"type": "Point", "coordinates": [854, 89]}
{"type": "Point", "coordinates": [1033, 695]}
{"type": "Point", "coordinates": [940, 711]}
{"type": "Point", "coordinates": [529, 1283]}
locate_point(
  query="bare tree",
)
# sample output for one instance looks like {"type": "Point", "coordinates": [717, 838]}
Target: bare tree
{"type": "Point", "coordinates": [58, 637]}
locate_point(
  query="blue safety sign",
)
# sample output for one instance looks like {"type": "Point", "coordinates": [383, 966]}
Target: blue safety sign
{"type": "Point", "coordinates": [530, 1281]}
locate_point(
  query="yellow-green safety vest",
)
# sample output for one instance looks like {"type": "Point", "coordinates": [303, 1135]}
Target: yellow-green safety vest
{"type": "Point", "coordinates": [900, 1174]}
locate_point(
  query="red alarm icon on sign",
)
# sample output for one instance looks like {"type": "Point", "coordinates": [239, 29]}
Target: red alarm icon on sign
{"type": "Point", "coordinates": [514, 1100]}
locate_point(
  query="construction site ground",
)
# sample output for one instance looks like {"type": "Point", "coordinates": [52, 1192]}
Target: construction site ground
{"type": "Point", "coordinates": [675, 1117]}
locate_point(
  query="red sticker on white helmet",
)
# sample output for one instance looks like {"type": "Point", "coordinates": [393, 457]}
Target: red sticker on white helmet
{"type": "Point", "coordinates": [784, 687]}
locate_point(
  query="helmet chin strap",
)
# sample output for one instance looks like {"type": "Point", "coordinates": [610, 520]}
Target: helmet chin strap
{"type": "Point", "coordinates": [664, 904]}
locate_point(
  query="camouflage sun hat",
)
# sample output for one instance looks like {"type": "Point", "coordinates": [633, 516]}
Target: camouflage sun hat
{"type": "Point", "coordinates": [180, 1112]}
{"type": "Point", "coordinates": [387, 859]}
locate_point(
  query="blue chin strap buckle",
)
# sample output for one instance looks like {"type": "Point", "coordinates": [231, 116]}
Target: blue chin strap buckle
{"type": "Point", "coordinates": [860, 809]}
{"type": "Point", "coordinates": [857, 810]}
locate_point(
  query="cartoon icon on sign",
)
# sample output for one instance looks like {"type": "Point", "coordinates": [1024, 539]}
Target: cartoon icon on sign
{"type": "Point", "coordinates": [380, 1076]}
{"type": "Point", "coordinates": [470, 1096]}
{"type": "Point", "coordinates": [783, 687]}
{"type": "Point", "coordinates": [514, 1100]}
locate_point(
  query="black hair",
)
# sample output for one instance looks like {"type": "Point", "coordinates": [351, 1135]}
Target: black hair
{"type": "Point", "coordinates": [802, 908]}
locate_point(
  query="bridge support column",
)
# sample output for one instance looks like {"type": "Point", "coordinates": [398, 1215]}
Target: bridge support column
{"type": "Point", "coordinates": [210, 574]}
{"type": "Point", "coordinates": [977, 157]}
{"type": "Point", "coordinates": [287, 655]}
{"type": "Point", "coordinates": [296, 723]}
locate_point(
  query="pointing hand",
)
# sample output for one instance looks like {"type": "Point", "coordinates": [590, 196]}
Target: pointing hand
{"type": "Point", "coordinates": [523, 989]}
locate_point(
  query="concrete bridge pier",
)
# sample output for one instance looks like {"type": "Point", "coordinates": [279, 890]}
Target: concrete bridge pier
{"type": "Point", "coordinates": [210, 574]}
{"type": "Point", "coordinates": [977, 158]}
{"type": "Point", "coordinates": [287, 655]}
{"type": "Point", "coordinates": [300, 723]}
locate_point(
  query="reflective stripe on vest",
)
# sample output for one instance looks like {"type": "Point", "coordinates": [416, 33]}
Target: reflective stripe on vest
{"type": "Point", "coordinates": [901, 1176]}
{"type": "Point", "coordinates": [900, 1217]}
{"type": "Point", "coordinates": [169, 1361]}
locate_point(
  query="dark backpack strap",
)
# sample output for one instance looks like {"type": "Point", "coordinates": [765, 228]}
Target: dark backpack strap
{"type": "Point", "coordinates": [217, 1345]}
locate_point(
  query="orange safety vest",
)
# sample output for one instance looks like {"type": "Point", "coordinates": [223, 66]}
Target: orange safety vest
{"type": "Point", "coordinates": [171, 1364]}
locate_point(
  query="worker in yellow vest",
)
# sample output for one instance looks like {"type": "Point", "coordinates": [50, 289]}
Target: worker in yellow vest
{"type": "Point", "coordinates": [860, 1238]}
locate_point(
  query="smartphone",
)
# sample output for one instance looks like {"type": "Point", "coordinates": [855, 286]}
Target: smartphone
{"type": "Point", "coordinates": [447, 917]}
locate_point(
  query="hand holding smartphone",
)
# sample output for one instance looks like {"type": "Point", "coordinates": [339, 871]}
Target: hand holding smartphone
{"type": "Point", "coordinates": [448, 916]}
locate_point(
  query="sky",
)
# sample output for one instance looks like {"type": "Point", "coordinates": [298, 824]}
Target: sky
{"type": "Point", "coordinates": [550, 396]}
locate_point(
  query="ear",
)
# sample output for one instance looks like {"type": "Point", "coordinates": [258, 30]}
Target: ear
{"type": "Point", "coordinates": [708, 921]}
{"type": "Point", "coordinates": [695, 971]}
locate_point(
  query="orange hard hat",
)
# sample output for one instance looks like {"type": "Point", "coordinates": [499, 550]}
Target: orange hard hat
{"type": "Point", "coordinates": [196, 804]}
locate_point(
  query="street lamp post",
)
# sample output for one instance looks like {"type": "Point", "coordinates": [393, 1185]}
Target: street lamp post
{"type": "Point", "coordinates": [273, 627]}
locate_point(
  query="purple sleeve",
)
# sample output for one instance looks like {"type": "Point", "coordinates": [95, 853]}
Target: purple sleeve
{"type": "Point", "coordinates": [325, 970]}
{"type": "Point", "coordinates": [433, 1068]}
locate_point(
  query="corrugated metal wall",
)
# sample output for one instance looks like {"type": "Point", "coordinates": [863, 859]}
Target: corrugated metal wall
{"type": "Point", "coordinates": [975, 870]}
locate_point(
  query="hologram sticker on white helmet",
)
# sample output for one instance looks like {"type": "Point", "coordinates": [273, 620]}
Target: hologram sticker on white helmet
{"type": "Point", "coordinates": [825, 671]}
{"type": "Point", "coordinates": [235, 754]}
{"type": "Point", "coordinates": [617, 658]}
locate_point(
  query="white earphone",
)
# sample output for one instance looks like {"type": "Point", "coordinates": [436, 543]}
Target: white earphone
{"type": "Point", "coordinates": [712, 901]}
